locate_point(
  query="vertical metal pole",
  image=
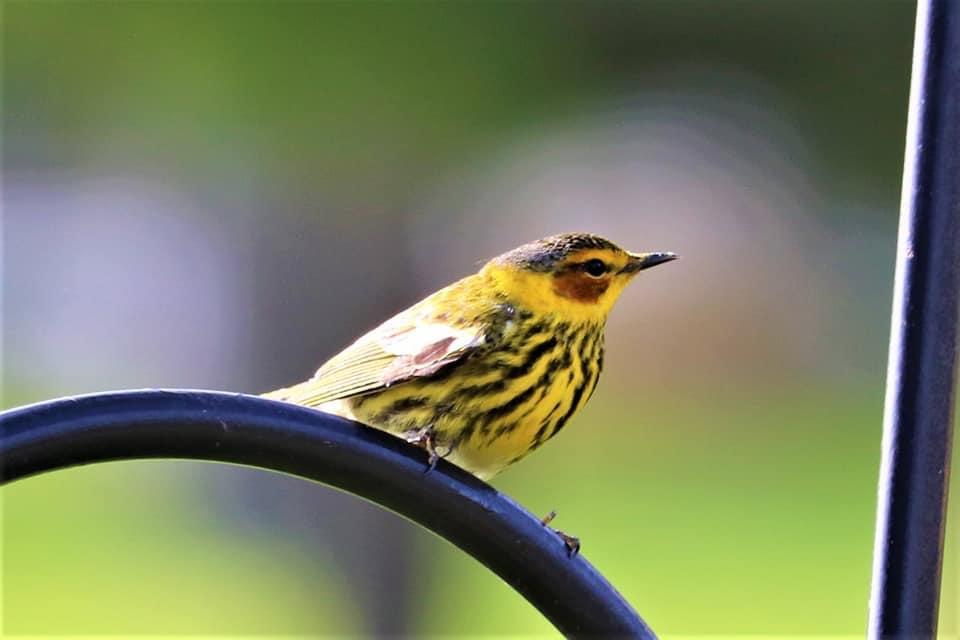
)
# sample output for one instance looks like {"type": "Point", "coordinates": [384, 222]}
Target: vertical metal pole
{"type": "Point", "coordinates": [918, 419]}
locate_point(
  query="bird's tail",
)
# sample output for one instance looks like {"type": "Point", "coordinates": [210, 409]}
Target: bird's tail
{"type": "Point", "coordinates": [303, 394]}
{"type": "Point", "coordinates": [287, 394]}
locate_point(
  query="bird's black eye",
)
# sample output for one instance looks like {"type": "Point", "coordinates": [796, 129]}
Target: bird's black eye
{"type": "Point", "coordinates": [595, 267]}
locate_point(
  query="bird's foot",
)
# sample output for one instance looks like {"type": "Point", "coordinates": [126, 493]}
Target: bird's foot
{"type": "Point", "coordinates": [425, 439]}
{"type": "Point", "coordinates": [572, 543]}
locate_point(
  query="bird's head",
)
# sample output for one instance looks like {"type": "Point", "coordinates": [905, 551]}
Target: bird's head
{"type": "Point", "coordinates": [576, 275]}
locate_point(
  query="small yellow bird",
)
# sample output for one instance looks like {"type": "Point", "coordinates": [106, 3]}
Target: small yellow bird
{"type": "Point", "coordinates": [487, 369]}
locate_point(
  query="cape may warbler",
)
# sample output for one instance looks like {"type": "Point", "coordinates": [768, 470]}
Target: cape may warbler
{"type": "Point", "coordinates": [486, 370]}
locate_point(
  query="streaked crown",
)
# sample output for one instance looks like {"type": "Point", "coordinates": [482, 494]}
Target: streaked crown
{"type": "Point", "coordinates": [549, 253]}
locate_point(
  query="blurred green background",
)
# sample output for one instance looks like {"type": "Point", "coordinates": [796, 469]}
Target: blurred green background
{"type": "Point", "coordinates": [221, 195]}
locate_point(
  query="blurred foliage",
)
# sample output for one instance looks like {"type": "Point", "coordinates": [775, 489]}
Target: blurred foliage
{"type": "Point", "coordinates": [390, 92]}
{"type": "Point", "coordinates": [158, 566]}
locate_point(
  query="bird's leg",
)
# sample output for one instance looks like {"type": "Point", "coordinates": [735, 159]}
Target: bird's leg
{"type": "Point", "coordinates": [572, 543]}
{"type": "Point", "coordinates": [425, 439]}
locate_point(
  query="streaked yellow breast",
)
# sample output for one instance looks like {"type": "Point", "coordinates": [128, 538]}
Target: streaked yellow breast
{"type": "Point", "coordinates": [489, 412]}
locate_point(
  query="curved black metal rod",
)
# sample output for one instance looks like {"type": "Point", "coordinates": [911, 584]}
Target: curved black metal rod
{"type": "Point", "coordinates": [247, 430]}
{"type": "Point", "coordinates": [921, 374]}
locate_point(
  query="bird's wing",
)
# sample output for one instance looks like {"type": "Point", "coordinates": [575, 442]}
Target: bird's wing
{"type": "Point", "coordinates": [395, 352]}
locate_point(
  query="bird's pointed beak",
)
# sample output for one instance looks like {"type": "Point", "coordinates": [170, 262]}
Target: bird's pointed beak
{"type": "Point", "coordinates": [641, 261]}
